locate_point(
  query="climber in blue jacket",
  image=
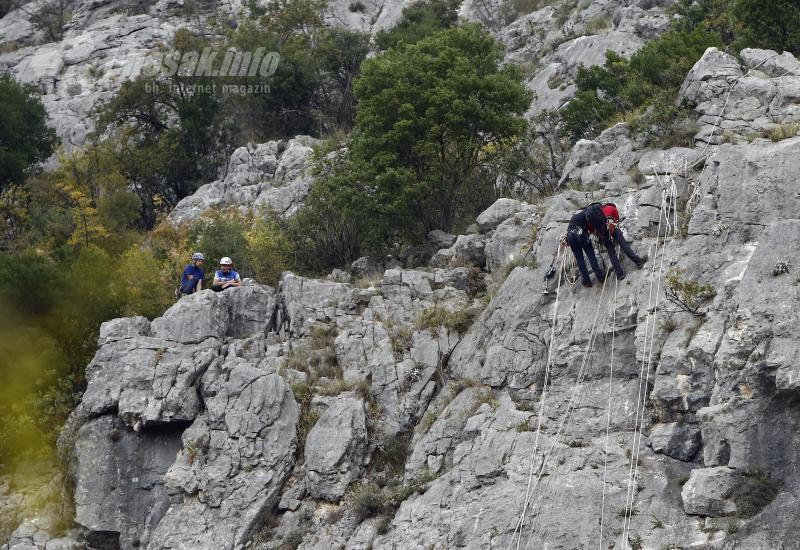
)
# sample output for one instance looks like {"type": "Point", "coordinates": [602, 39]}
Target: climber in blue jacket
{"type": "Point", "coordinates": [192, 276]}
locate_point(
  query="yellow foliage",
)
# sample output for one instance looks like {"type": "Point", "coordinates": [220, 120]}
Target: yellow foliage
{"type": "Point", "coordinates": [143, 283]}
{"type": "Point", "coordinates": [269, 250]}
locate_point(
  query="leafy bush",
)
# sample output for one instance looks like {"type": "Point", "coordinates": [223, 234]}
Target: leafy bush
{"type": "Point", "coordinates": [532, 164]}
{"type": "Point", "coordinates": [25, 137]}
{"type": "Point", "coordinates": [770, 24]}
{"type": "Point", "coordinates": [144, 284]}
{"type": "Point", "coordinates": [654, 74]}
{"type": "Point", "coordinates": [257, 244]}
{"type": "Point", "coordinates": [426, 113]}
{"type": "Point", "coordinates": [687, 294]}
{"type": "Point", "coordinates": [621, 87]}
{"type": "Point", "coordinates": [431, 116]}
{"type": "Point", "coordinates": [419, 20]}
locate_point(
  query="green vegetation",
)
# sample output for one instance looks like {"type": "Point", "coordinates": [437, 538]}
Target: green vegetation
{"type": "Point", "coordinates": [745, 23]}
{"type": "Point", "coordinates": [257, 243]}
{"type": "Point", "coordinates": [430, 116]}
{"type": "Point", "coordinates": [25, 137]}
{"type": "Point", "coordinates": [369, 500]}
{"type": "Point", "coordinates": [687, 294]}
{"type": "Point", "coordinates": [419, 20]}
{"type": "Point", "coordinates": [643, 89]}
{"type": "Point", "coordinates": [434, 318]}
{"type": "Point", "coordinates": [170, 134]}
{"type": "Point", "coordinates": [623, 89]}
{"type": "Point", "coordinates": [303, 394]}
{"type": "Point", "coordinates": [754, 491]}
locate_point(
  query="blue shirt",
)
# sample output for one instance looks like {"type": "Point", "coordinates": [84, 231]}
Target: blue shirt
{"type": "Point", "coordinates": [222, 277]}
{"type": "Point", "coordinates": [192, 275]}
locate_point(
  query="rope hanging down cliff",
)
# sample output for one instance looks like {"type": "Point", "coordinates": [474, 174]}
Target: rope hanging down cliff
{"type": "Point", "coordinates": [576, 399]}
{"type": "Point", "coordinates": [668, 199]}
{"type": "Point", "coordinates": [608, 412]}
{"type": "Point", "coordinates": [544, 394]}
{"type": "Point", "coordinates": [531, 487]}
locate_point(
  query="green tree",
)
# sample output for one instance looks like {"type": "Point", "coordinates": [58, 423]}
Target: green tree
{"type": "Point", "coordinates": [428, 113]}
{"type": "Point", "coordinates": [770, 24]}
{"type": "Point", "coordinates": [25, 137]}
{"type": "Point", "coordinates": [419, 20]}
{"type": "Point", "coordinates": [335, 227]}
{"type": "Point", "coordinates": [623, 88]}
{"type": "Point", "coordinates": [170, 134]}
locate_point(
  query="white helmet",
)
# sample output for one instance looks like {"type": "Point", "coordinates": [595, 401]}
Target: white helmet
{"type": "Point", "coordinates": [198, 256]}
{"type": "Point", "coordinates": [226, 261]}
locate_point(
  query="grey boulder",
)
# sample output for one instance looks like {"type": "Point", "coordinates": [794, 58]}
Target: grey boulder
{"type": "Point", "coordinates": [336, 448]}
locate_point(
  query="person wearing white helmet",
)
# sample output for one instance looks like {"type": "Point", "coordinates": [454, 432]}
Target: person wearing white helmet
{"type": "Point", "coordinates": [225, 276]}
{"type": "Point", "coordinates": [192, 277]}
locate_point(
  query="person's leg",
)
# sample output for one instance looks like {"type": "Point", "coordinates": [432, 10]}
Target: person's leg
{"type": "Point", "coordinates": [574, 243]}
{"type": "Point", "coordinates": [589, 250]}
{"type": "Point", "coordinates": [612, 255]}
{"type": "Point", "coordinates": [626, 247]}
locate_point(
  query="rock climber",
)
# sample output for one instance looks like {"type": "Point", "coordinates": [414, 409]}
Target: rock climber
{"type": "Point", "coordinates": [192, 277]}
{"type": "Point", "coordinates": [601, 220]}
{"type": "Point", "coordinates": [225, 276]}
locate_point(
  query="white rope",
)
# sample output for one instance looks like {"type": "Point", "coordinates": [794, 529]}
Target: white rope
{"type": "Point", "coordinates": [571, 405]}
{"type": "Point", "coordinates": [520, 522]}
{"type": "Point", "coordinates": [608, 413]}
{"type": "Point", "coordinates": [639, 397]}
{"type": "Point", "coordinates": [647, 358]}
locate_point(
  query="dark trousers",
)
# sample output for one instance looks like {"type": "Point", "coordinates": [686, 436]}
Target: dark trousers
{"type": "Point", "coordinates": [578, 241]}
{"type": "Point", "coordinates": [626, 248]}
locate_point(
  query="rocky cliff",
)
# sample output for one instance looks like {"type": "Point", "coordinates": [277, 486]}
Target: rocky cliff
{"type": "Point", "coordinates": [457, 404]}
{"type": "Point", "coordinates": [104, 43]}
{"type": "Point", "coordinates": [460, 406]}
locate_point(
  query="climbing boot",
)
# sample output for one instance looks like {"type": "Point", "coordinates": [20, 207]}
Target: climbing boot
{"type": "Point", "coordinates": [642, 261]}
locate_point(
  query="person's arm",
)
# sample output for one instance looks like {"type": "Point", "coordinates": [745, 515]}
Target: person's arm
{"type": "Point", "coordinates": [199, 285]}
{"type": "Point", "coordinates": [237, 281]}
{"type": "Point", "coordinates": [217, 282]}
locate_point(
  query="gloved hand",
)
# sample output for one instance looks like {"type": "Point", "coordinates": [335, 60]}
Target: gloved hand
{"type": "Point", "coordinates": [611, 225]}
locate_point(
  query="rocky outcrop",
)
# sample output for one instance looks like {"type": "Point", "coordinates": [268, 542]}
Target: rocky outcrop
{"type": "Point", "coordinates": [421, 398]}
{"type": "Point", "coordinates": [104, 44]}
{"type": "Point", "coordinates": [108, 42]}
{"type": "Point", "coordinates": [738, 101]}
{"type": "Point", "coordinates": [336, 448]}
{"type": "Point", "coordinates": [555, 40]}
{"type": "Point", "coordinates": [271, 178]}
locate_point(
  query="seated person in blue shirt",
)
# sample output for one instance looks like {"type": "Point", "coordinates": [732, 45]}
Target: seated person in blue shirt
{"type": "Point", "coordinates": [225, 276]}
{"type": "Point", "coordinates": [192, 278]}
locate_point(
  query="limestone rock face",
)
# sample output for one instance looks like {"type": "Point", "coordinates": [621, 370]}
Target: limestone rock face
{"type": "Point", "coordinates": [195, 318]}
{"type": "Point", "coordinates": [336, 448]}
{"type": "Point", "coordinates": [705, 492]}
{"type": "Point", "coordinates": [428, 385]}
{"type": "Point", "coordinates": [420, 386]}
{"type": "Point", "coordinates": [234, 460]}
{"type": "Point", "coordinates": [271, 177]}
{"type": "Point", "coordinates": [758, 96]}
